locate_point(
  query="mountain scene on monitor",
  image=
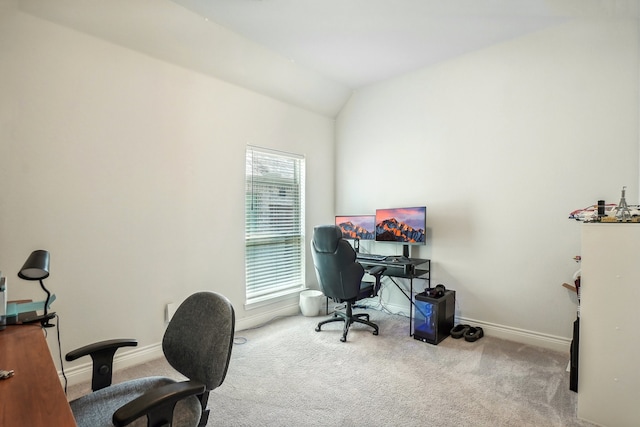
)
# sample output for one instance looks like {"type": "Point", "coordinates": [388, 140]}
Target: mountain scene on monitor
{"type": "Point", "coordinates": [392, 230]}
{"type": "Point", "coordinates": [354, 231]}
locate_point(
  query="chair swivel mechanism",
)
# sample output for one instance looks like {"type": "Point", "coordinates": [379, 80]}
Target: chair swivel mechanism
{"type": "Point", "coordinates": [340, 277]}
{"type": "Point", "coordinates": [197, 343]}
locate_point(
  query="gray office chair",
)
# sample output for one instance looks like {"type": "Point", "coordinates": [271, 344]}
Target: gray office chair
{"type": "Point", "coordinates": [340, 276]}
{"type": "Point", "coordinates": [197, 343]}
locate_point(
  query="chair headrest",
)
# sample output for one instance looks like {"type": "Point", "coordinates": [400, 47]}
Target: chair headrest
{"type": "Point", "coordinates": [326, 238]}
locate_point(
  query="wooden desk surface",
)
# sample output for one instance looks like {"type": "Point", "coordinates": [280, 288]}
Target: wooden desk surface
{"type": "Point", "coordinates": [33, 396]}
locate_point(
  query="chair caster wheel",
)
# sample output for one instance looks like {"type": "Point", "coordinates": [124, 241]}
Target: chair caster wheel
{"type": "Point", "coordinates": [343, 339]}
{"type": "Point", "coordinates": [375, 332]}
{"type": "Point", "coordinates": [317, 328]}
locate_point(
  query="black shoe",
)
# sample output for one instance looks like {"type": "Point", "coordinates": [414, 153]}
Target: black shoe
{"type": "Point", "coordinates": [458, 331]}
{"type": "Point", "coordinates": [473, 334]}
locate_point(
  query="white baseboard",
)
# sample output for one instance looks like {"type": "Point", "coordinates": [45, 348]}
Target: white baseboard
{"type": "Point", "coordinates": [290, 309]}
{"type": "Point", "coordinates": [140, 355]}
{"type": "Point", "coordinates": [523, 336]}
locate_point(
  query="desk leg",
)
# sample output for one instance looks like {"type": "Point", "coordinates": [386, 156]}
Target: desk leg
{"type": "Point", "coordinates": [411, 305]}
{"type": "Point", "coordinates": [410, 298]}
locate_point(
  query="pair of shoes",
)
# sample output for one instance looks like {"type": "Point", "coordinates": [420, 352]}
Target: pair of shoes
{"type": "Point", "coordinates": [473, 334]}
{"type": "Point", "coordinates": [459, 330]}
{"type": "Point", "coordinates": [470, 333]}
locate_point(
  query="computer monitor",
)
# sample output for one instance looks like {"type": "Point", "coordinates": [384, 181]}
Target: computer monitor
{"type": "Point", "coordinates": [357, 227]}
{"type": "Point", "coordinates": [402, 225]}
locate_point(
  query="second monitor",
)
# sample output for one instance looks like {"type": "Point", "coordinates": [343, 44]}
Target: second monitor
{"type": "Point", "coordinates": [401, 225]}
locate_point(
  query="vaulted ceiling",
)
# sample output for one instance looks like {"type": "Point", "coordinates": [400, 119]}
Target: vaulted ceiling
{"type": "Point", "coordinates": [314, 53]}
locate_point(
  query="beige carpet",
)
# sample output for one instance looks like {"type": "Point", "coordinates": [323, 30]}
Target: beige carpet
{"type": "Point", "coordinates": [286, 374]}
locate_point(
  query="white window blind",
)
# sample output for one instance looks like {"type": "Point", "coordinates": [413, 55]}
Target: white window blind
{"type": "Point", "coordinates": [274, 223]}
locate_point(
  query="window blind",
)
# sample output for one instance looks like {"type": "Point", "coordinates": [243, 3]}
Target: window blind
{"type": "Point", "coordinates": [274, 223]}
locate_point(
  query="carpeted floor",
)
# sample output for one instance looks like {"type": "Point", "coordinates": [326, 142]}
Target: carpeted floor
{"type": "Point", "coordinates": [286, 374]}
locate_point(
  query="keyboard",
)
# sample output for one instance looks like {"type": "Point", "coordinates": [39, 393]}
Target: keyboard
{"type": "Point", "coordinates": [370, 257]}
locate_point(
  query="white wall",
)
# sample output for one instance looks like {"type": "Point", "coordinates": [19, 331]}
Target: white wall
{"type": "Point", "coordinates": [500, 145]}
{"type": "Point", "coordinates": [130, 171]}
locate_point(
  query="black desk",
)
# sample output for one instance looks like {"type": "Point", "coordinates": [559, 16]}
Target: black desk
{"type": "Point", "coordinates": [403, 268]}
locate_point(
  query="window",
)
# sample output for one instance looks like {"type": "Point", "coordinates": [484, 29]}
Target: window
{"type": "Point", "coordinates": [274, 224]}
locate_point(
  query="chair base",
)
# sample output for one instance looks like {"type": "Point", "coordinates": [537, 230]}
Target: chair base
{"type": "Point", "coordinates": [348, 318]}
{"type": "Point", "coordinates": [204, 400]}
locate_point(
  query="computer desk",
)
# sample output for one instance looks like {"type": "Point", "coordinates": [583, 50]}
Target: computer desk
{"type": "Point", "coordinates": [398, 267]}
{"type": "Point", "coordinates": [33, 396]}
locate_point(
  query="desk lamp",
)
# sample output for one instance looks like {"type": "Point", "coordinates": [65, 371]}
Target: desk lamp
{"type": "Point", "coordinates": [36, 267]}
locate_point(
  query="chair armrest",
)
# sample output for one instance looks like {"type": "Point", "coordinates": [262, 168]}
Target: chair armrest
{"type": "Point", "coordinates": [377, 271]}
{"type": "Point", "coordinates": [98, 347]}
{"type": "Point", "coordinates": [102, 354]}
{"type": "Point", "coordinates": [157, 404]}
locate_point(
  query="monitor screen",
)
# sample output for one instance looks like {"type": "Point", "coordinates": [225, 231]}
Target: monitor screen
{"type": "Point", "coordinates": [362, 227]}
{"type": "Point", "coordinates": [401, 225]}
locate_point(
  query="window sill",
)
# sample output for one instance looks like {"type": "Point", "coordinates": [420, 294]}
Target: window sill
{"type": "Point", "coordinates": [274, 298]}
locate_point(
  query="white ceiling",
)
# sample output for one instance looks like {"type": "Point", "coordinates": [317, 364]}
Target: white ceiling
{"type": "Point", "coordinates": [358, 42]}
{"type": "Point", "coordinates": [314, 53]}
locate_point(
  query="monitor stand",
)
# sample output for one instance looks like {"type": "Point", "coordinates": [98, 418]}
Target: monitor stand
{"type": "Point", "coordinates": [356, 245]}
{"type": "Point", "coordinates": [405, 251]}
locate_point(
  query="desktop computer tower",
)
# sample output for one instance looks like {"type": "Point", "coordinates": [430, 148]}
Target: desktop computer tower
{"type": "Point", "coordinates": [434, 317]}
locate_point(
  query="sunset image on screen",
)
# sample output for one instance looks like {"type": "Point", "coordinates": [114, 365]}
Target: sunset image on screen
{"type": "Point", "coordinates": [404, 225]}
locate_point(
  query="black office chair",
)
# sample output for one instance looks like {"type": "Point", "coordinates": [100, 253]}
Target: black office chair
{"type": "Point", "coordinates": [340, 276]}
{"type": "Point", "coordinates": [197, 343]}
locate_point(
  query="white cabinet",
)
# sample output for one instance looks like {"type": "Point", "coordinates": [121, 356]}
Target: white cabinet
{"type": "Point", "coordinates": [609, 355]}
